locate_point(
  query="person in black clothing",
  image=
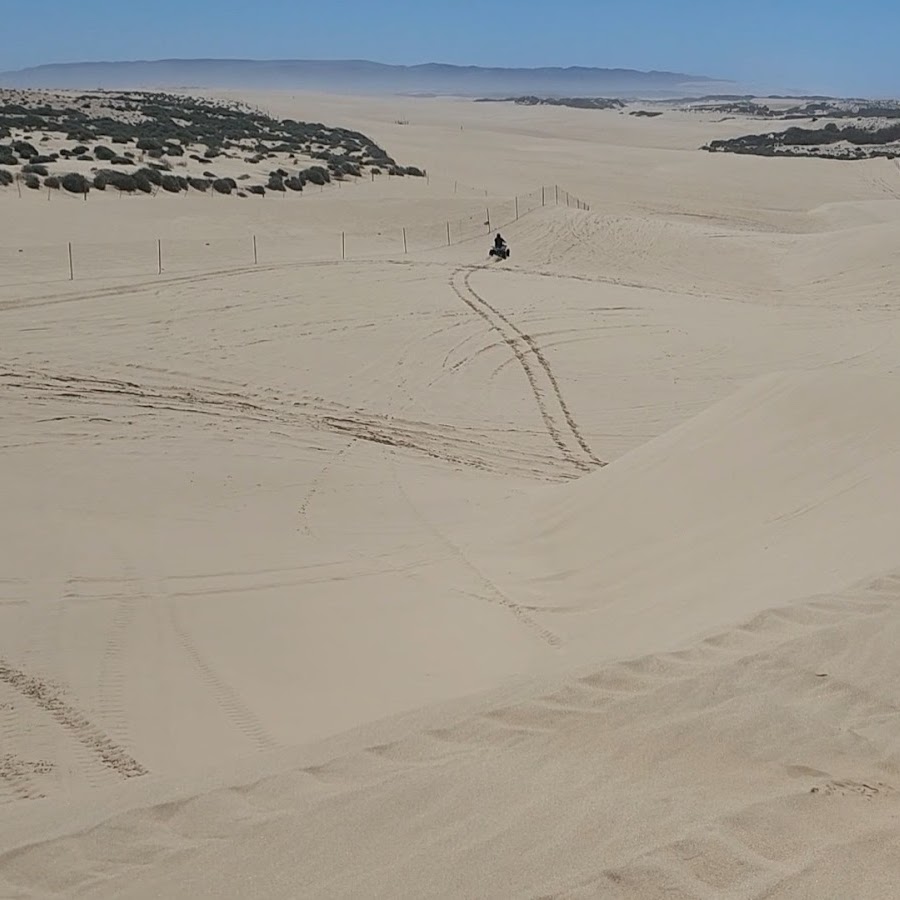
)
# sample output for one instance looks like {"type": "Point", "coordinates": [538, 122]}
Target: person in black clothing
{"type": "Point", "coordinates": [499, 243]}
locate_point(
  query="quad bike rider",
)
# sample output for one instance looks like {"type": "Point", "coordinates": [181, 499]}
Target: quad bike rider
{"type": "Point", "coordinates": [500, 248]}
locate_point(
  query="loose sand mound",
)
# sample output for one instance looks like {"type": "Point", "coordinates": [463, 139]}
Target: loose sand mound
{"type": "Point", "coordinates": [778, 492]}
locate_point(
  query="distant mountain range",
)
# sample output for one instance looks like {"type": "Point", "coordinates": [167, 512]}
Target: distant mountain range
{"type": "Point", "coordinates": [358, 76]}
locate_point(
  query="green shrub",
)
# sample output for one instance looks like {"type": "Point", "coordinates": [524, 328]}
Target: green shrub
{"type": "Point", "coordinates": [224, 185]}
{"type": "Point", "coordinates": [75, 183]}
{"type": "Point", "coordinates": [256, 189]}
{"type": "Point", "coordinates": [152, 175]}
{"type": "Point", "coordinates": [199, 184]}
{"type": "Point", "coordinates": [36, 169]}
{"type": "Point", "coordinates": [51, 181]}
{"type": "Point", "coordinates": [32, 181]}
{"type": "Point", "coordinates": [24, 149]}
{"type": "Point", "coordinates": [6, 177]}
{"type": "Point", "coordinates": [104, 153]}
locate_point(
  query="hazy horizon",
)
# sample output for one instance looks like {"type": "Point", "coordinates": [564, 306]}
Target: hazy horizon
{"type": "Point", "coordinates": [809, 48]}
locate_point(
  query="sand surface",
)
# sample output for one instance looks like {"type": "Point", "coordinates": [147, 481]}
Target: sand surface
{"type": "Point", "coordinates": [411, 575]}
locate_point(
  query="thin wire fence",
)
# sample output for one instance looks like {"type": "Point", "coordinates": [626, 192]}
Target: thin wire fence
{"type": "Point", "coordinates": [79, 260]}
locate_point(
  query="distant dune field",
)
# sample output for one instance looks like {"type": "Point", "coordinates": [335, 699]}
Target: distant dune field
{"type": "Point", "coordinates": [368, 567]}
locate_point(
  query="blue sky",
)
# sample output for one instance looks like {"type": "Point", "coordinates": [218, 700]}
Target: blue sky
{"type": "Point", "coordinates": [816, 45]}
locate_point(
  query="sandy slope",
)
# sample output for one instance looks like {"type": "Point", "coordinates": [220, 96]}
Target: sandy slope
{"type": "Point", "coordinates": [413, 577]}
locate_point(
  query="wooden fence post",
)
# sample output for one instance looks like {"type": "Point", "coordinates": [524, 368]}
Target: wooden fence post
{"type": "Point", "coordinates": [71, 264]}
{"type": "Point", "coordinates": [159, 256]}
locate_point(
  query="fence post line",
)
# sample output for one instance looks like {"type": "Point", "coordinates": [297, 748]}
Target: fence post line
{"type": "Point", "coordinates": [517, 207]}
{"type": "Point", "coordinates": [71, 264]}
{"type": "Point", "coordinates": [489, 219]}
{"type": "Point", "coordinates": [255, 257]}
{"type": "Point", "coordinates": [543, 200]}
{"type": "Point", "coordinates": [404, 241]}
{"type": "Point", "coordinates": [343, 246]}
{"type": "Point", "coordinates": [557, 194]}
{"type": "Point", "coordinates": [448, 234]}
{"type": "Point", "coordinates": [159, 256]}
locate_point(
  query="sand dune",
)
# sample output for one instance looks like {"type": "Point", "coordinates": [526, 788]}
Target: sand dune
{"type": "Point", "coordinates": [775, 493]}
{"type": "Point", "coordinates": [411, 575]}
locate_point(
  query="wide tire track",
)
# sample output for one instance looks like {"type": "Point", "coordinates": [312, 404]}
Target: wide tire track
{"type": "Point", "coordinates": [50, 699]}
{"type": "Point", "coordinates": [557, 417]}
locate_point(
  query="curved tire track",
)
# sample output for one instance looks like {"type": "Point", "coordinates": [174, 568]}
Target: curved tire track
{"type": "Point", "coordinates": [558, 419]}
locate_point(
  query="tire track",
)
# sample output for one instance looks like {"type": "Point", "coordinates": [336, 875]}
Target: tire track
{"type": "Point", "coordinates": [317, 484]}
{"type": "Point", "coordinates": [562, 433]}
{"type": "Point", "coordinates": [111, 688]}
{"type": "Point", "coordinates": [235, 710]}
{"type": "Point", "coordinates": [442, 442]}
{"type": "Point", "coordinates": [16, 778]}
{"type": "Point", "coordinates": [50, 699]}
{"type": "Point", "coordinates": [494, 594]}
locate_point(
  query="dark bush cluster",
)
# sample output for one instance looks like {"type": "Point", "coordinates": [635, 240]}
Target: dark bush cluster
{"type": "Point", "coordinates": [75, 183]}
{"type": "Point", "coordinates": [6, 177]}
{"type": "Point", "coordinates": [256, 189]}
{"type": "Point", "coordinates": [224, 185]}
{"type": "Point", "coordinates": [162, 126]}
{"type": "Point", "coordinates": [121, 181]}
{"type": "Point", "coordinates": [783, 142]}
{"type": "Point", "coordinates": [315, 175]}
{"type": "Point", "coordinates": [52, 181]}
{"type": "Point", "coordinates": [35, 168]}
{"type": "Point", "coordinates": [151, 174]}
{"type": "Point", "coordinates": [24, 149]}
{"type": "Point", "coordinates": [32, 181]}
